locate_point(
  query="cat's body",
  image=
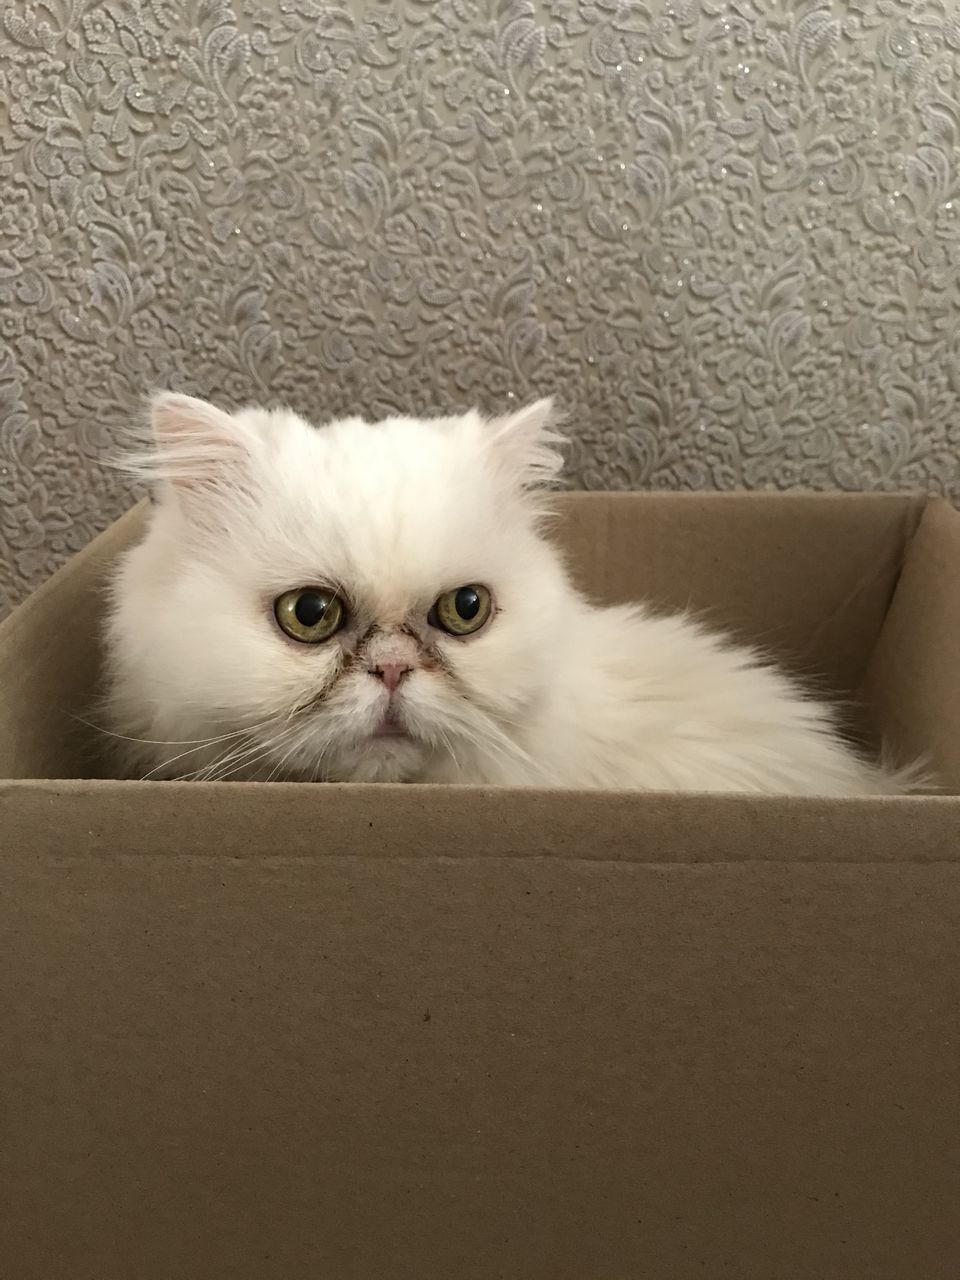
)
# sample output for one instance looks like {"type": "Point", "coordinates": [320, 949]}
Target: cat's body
{"type": "Point", "coordinates": [377, 603]}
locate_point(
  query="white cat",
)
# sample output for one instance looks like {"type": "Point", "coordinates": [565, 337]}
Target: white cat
{"type": "Point", "coordinates": [374, 603]}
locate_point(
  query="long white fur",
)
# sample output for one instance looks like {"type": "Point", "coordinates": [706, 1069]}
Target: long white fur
{"type": "Point", "coordinates": [551, 692]}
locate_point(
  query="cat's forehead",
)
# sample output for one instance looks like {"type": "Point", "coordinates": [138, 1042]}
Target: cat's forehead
{"type": "Point", "coordinates": [361, 455]}
{"type": "Point", "coordinates": [390, 510]}
{"type": "Point", "coordinates": [394, 475]}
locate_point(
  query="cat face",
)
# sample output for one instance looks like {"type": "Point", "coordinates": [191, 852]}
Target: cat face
{"type": "Point", "coordinates": [345, 603]}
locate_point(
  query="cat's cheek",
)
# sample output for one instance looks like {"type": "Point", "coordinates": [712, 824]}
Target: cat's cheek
{"type": "Point", "coordinates": [427, 703]}
{"type": "Point", "coordinates": [499, 668]}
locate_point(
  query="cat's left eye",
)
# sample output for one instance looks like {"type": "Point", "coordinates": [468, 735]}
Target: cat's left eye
{"type": "Point", "coordinates": [462, 611]}
{"type": "Point", "coordinates": [309, 614]}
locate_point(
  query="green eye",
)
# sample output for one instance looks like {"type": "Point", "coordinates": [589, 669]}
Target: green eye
{"type": "Point", "coordinates": [309, 614]}
{"type": "Point", "coordinates": [462, 611]}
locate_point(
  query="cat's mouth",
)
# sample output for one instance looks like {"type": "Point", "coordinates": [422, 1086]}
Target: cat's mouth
{"type": "Point", "coordinates": [390, 727]}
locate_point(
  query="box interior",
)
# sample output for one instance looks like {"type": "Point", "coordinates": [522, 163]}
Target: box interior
{"type": "Point", "coordinates": [808, 578]}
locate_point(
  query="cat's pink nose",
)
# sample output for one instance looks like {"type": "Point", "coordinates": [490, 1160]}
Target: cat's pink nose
{"type": "Point", "coordinates": [391, 673]}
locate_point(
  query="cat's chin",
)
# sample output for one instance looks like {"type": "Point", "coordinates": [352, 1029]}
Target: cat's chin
{"type": "Point", "coordinates": [383, 757]}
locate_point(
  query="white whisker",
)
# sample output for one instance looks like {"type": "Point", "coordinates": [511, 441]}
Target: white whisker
{"type": "Point", "coordinates": [200, 744]}
{"type": "Point", "coordinates": [155, 742]}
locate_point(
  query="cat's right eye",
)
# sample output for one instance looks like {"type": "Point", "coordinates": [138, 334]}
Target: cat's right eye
{"type": "Point", "coordinates": [309, 614]}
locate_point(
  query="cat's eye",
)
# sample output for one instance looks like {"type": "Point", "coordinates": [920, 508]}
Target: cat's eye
{"type": "Point", "coordinates": [462, 611]}
{"type": "Point", "coordinates": [309, 614]}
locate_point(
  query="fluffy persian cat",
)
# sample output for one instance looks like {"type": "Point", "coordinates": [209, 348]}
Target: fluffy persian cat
{"type": "Point", "coordinates": [377, 603]}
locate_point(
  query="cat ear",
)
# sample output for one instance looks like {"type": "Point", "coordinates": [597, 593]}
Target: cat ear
{"type": "Point", "coordinates": [196, 445]}
{"type": "Point", "coordinates": [527, 443]}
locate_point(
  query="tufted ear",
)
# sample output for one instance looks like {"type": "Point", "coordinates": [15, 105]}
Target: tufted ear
{"type": "Point", "coordinates": [196, 443]}
{"type": "Point", "coordinates": [192, 446]}
{"type": "Point", "coordinates": [528, 445]}
{"type": "Point", "coordinates": [178, 420]}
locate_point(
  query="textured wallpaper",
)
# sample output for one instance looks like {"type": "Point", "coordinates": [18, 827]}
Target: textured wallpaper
{"type": "Point", "coordinates": [725, 233]}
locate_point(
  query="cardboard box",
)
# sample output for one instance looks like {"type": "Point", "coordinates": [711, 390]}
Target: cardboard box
{"type": "Point", "coordinates": [402, 1033]}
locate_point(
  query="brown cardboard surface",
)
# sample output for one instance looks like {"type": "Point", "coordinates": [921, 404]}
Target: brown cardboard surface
{"type": "Point", "coordinates": [50, 665]}
{"type": "Point", "coordinates": [238, 820]}
{"type": "Point", "coordinates": [806, 576]}
{"type": "Point", "coordinates": [377, 1033]}
{"type": "Point", "coordinates": [270, 1055]}
{"type": "Point", "coordinates": [914, 678]}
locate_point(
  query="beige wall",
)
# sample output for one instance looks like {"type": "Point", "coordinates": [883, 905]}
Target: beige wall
{"type": "Point", "coordinates": [727, 235]}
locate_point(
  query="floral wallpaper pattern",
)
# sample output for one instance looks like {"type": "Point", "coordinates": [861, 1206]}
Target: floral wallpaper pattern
{"type": "Point", "coordinates": [726, 233]}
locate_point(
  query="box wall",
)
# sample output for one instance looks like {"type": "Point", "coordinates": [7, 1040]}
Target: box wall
{"type": "Point", "coordinates": [913, 681]}
{"type": "Point", "coordinates": [287, 1066]}
{"type": "Point", "coordinates": [51, 664]}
